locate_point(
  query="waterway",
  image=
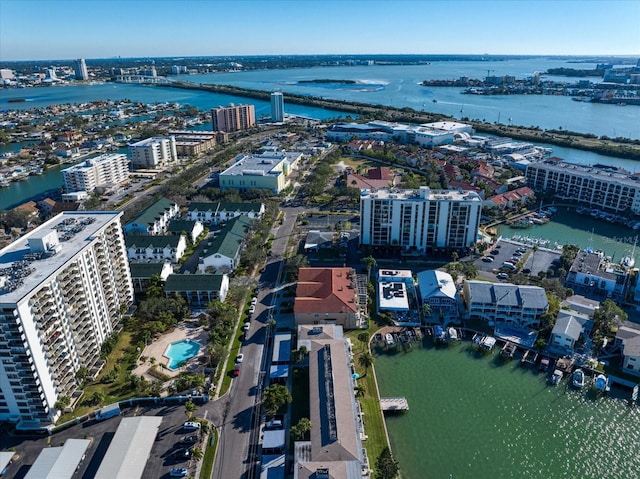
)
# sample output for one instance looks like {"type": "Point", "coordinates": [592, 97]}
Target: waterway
{"type": "Point", "coordinates": [566, 226]}
{"type": "Point", "coordinates": [393, 85]}
{"type": "Point", "coordinates": [476, 417]}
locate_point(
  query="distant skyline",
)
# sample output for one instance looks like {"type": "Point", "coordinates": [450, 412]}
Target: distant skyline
{"type": "Point", "coordinates": [68, 29]}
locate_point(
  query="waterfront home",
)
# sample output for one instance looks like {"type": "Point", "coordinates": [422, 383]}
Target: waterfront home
{"type": "Point", "coordinates": [155, 248]}
{"type": "Point", "coordinates": [397, 295]}
{"type": "Point", "coordinates": [581, 304]}
{"type": "Point", "coordinates": [438, 291]}
{"type": "Point", "coordinates": [223, 252]}
{"type": "Point", "coordinates": [198, 290]}
{"type": "Point", "coordinates": [328, 296]}
{"type": "Point", "coordinates": [593, 276]}
{"type": "Point", "coordinates": [516, 305]}
{"type": "Point", "coordinates": [567, 330]}
{"type": "Point", "coordinates": [628, 338]}
{"type": "Point", "coordinates": [153, 220]}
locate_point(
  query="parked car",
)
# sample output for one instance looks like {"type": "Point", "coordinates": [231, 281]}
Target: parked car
{"type": "Point", "coordinates": [502, 276]}
{"type": "Point", "coordinates": [245, 328]}
{"type": "Point", "coordinates": [252, 309]}
{"type": "Point", "coordinates": [508, 265]}
{"type": "Point", "coordinates": [183, 453]}
{"type": "Point", "coordinates": [254, 301]}
{"type": "Point", "coordinates": [236, 371]}
{"type": "Point", "coordinates": [191, 426]}
{"type": "Point", "coordinates": [273, 424]}
{"type": "Point", "coordinates": [239, 358]}
{"type": "Point", "coordinates": [178, 472]}
{"type": "Point", "coordinates": [488, 259]}
{"type": "Point", "coordinates": [192, 439]}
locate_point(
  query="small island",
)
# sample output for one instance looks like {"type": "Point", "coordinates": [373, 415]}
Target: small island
{"type": "Point", "coordinates": [329, 80]}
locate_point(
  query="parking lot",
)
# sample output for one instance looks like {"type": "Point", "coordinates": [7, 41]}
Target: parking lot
{"type": "Point", "coordinates": [505, 250]}
{"type": "Point", "coordinates": [163, 453]}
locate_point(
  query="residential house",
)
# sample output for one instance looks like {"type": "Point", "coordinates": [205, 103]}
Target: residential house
{"type": "Point", "coordinates": [192, 229]}
{"type": "Point", "coordinates": [223, 252]}
{"type": "Point", "coordinates": [512, 304]}
{"type": "Point", "coordinates": [567, 330]}
{"type": "Point", "coordinates": [141, 274]}
{"type": "Point", "coordinates": [216, 213]}
{"type": "Point", "coordinates": [327, 296]}
{"type": "Point", "coordinates": [317, 240]}
{"type": "Point", "coordinates": [438, 291]}
{"type": "Point", "coordinates": [153, 220]}
{"type": "Point", "coordinates": [628, 337]}
{"type": "Point", "coordinates": [155, 248]}
{"type": "Point", "coordinates": [593, 276]}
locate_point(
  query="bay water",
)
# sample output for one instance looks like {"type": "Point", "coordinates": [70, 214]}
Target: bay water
{"type": "Point", "coordinates": [474, 416]}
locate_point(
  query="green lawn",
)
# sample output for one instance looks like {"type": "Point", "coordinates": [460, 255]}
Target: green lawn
{"type": "Point", "coordinates": [209, 457]}
{"type": "Point", "coordinates": [373, 420]}
{"type": "Point", "coordinates": [123, 357]}
{"type": "Point", "coordinates": [233, 352]}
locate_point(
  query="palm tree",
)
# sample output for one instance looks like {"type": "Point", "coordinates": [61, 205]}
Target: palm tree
{"type": "Point", "coordinates": [370, 262]}
{"type": "Point", "coordinates": [365, 360]}
{"type": "Point", "coordinates": [533, 255]}
{"type": "Point", "coordinates": [363, 337]}
{"type": "Point", "coordinates": [426, 310]}
{"type": "Point", "coordinates": [359, 390]}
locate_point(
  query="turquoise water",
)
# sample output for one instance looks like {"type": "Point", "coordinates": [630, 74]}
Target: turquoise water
{"type": "Point", "coordinates": [566, 226]}
{"type": "Point", "coordinates": [478, 417]}
{"type": "Point", "coordinates": [181, 351]}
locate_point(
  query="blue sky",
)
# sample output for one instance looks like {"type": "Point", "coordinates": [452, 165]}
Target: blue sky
{"type": "Point", "coordinates": [56, 29]}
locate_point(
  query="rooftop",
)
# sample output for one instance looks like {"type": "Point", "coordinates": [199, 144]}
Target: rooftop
{"type": "Point", "coordinates": [326, 290]}
{"type": "Point", "coordinates": [31, 259]}
{"type": "Point", "coordinates": [435, 283]}
{"type": "Point", "coordinates": [424, 193]}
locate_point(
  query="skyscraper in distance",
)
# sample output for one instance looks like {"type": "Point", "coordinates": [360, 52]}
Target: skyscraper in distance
{"type": "Point", "coordinates": [81, 70]}
{"type": "Point", "coordinates": [277, 106]}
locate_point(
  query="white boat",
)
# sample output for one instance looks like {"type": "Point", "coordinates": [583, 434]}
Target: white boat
{"type": "Point", "coordinates": [556, 377]}
{"type": "Point", "coordinates": [601, 383]}
{"type": "Point", "coordinates": [453, 334]}
{"type": "Point", "coordinates": [577, 379]}
{"type": "Point", "coordinates": [389, 339]}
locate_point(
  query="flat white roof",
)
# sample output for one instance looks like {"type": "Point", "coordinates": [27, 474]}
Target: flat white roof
{"type": "Point", "coordinates": [130, 448]}
{"type": "Point", "coordinates": [5, 459]}
{"type": "Point", "coordinates": [393, 296]}
{"type": "Point", "coordinates": [58, 462]}
{"type": "Point", "coordinates": [75, 231]}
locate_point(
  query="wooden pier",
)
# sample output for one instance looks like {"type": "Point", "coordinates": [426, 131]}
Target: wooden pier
{"type": "Point", "coordinates": [529, 358]}
{"type": "Point", "coordinates": [394, 404]}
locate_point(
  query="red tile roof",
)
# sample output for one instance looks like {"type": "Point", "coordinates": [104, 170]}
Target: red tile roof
{"type": "Point", "coordinates": [325, 290]}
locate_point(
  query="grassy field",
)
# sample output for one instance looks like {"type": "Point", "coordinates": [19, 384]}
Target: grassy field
{"type": "Point", "coordinates": [209, 457]}
{"type": "Point", "coordinates": [233, 352]}
{"type": "Point", "coordinates": [373, 420]}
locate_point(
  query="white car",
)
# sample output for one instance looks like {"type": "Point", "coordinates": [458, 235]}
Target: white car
{"type": "Point", "coordinates": [252, 309]}
{"type": "Point", "coordinates": [239, 358]}
{"type": "Point", "coordinates": [254, 301]}
{"type": "Point", "coordinates": [191, 426]}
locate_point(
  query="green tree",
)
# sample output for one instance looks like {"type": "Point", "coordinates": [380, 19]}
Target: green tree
{"type": "Point", "coordinates": [197, 453]}
{"type": "Point", "coordinates": [189, 408]}
{"type": "Point", "coordinates": [359, 390]}
{"type": "Point", "coordinates": [363, 337]}
{"type": "Point", "coordinates": [299, 354]}
{"type": "Point", "coordinates": [299, 431]}
{"type": "Point", "coordinates": [386, 465]}
{"type": "Point", "coordinates": [366, 361]}
{"type": "Point", "coordinates": [62, 402]}
{"type": "Point", "coordinates": [607, 318]}
{"type": "Point", "coordinates": [370, 262]}
{"type": "Point", "coordinates": [274, 397]}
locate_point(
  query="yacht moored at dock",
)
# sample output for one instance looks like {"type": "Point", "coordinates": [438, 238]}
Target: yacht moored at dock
{"type": "Point", "coordinates": [577, 379]}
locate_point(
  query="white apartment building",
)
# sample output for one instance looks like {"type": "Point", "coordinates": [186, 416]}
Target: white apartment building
{"type": "Point", "coordinates": [277, 107]}
{"type": "Point", "coordinates": [153, 153]}
{"type": "Point", "coordinates": [416, 220]}
{"type": "Point", "coordinates": [609, 189]}
{"type": "Point", "coordinates": [105, 170]}
{"type": "Point", "coordinates": [62, 287]}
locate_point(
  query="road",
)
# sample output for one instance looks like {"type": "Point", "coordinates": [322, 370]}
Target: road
{"type": "Point", "coordinates": [234, 414]}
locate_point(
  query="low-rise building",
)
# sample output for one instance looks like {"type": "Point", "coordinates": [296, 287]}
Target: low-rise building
{"type": "Point", "coordinates": [142, 273]}
{"type": "Point", "coordinates": [155, 219]}
{"type": "Point", "coordinates": [335, 449]}
{"type": "Point", "coordinates": [327, 296]}
{"type": "Point", "coordinates": [192, 229]}
{"type": "Point", "coordinates": [512, 304]}
{"type": "Point", "coordinates": [190, 143]}
{"type": "Point", "coordinates": [198, 290]}
{"type": "Point", "coordinates": [268, 171]}
{"type": "Point", "coordinates": [593, 276]}
{"type": "Point", "coordinates": [567, 330]}
{"type": "Point", "coordinates": [216, 213]}
{"type": "Point", "coordinates": [439, 296]}
{"type": "Point", "coordinates": [156, 248]}
{"type": "Point", "coordinates": [628, 338]}
{"type": "Point", "coordinates": [223, 252]}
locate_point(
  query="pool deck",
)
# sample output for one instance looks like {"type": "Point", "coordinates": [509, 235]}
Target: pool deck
{"type": "Point", "coordinates": [159, 346]}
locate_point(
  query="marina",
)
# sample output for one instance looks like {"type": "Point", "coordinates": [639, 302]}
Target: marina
{"type": "Point", "coordinates": [503, 420]}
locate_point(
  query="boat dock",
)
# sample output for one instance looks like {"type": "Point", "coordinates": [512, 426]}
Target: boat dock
{"type": "Point", "coordinates": [394, 404]}
{"type": "Point", "coordinates": [529, 358]}
{"type": "Point", "coordinates": [508, 350]}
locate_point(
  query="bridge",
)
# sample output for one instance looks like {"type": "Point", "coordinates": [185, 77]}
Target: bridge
{"type": "Point", "coordinates": [145, 79]}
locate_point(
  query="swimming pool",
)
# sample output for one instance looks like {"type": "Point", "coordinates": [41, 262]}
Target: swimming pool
{"type": "Point", "coordinates": [181, 351]}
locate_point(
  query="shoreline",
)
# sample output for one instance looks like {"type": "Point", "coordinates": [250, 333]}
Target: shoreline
{"type": "Point", "coordinates": [619, 148]}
